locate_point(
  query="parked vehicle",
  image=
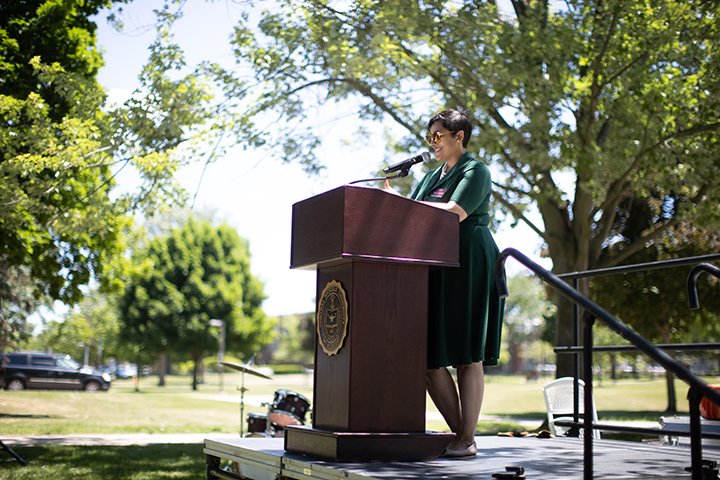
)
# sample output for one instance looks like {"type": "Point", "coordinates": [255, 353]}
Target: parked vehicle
{"type": "Point", "coordinates": [126, 370]}
{"type": "Point", "coordinates": [42, 370]}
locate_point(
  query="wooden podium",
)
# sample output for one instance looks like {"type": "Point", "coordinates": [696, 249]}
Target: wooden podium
{"type": "Point", "coordinates": [372, 251]}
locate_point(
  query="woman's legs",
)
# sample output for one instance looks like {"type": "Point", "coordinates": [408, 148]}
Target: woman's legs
{"type": "Point", "coordinates": [441, 387]}
{"type": "Point", "coordinates": [461, 412]}
{"type": "Point", "coordinates": [471, 383]}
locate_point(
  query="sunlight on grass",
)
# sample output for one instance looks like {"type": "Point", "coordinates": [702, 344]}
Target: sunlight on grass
{"type": "Point", "coordinates": [175, 408]}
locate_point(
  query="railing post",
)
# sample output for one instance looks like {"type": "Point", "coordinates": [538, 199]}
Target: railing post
{"type": "Point", "coordinates": [698, 387]}
{"type": "Point", "coordinates": [588, 431]}
{"type": "Point", "coordinates": [694, 397]}
{"type": "Point", "coordinates": [575, 431]}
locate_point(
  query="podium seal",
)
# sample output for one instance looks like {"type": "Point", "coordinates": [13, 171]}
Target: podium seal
{"type": "Point", "coordinates": [332, 317]}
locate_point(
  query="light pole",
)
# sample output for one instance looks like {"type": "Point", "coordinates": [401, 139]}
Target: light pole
{"type": "Point", "coordinates": [216, 322]}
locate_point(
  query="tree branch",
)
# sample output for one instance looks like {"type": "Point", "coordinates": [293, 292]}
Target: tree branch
{"type": "Point", "coordinates": [514, 164]}
{"type": "Point", "coordinates": [362, 88]}
{"type": "Point", "coordinates": [680, 134]}
{"type": "Point", "coordinates": [509, 188]}
{"type": "Point", "coordinates": [603, 50]}
{"type": "Point", "coordinates": [609, 209]}
{"type": "Point", "coordinates": [639, 244]}
{"type": "Point", "coordinates": [642, 242]}
{"type": "Point", "coordinates": [518, 214]}
{"type": "Point", "coordinates": [520, 7]}
{"type": "Point", "coordinates": [644, 56]}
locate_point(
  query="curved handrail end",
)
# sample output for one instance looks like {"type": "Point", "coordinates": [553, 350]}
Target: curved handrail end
{"type": "Point", "coordinates": [692, 281]}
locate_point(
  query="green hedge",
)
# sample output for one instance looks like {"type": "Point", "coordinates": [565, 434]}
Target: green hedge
{"type": "Point", "coordinates": [286, 368]}
{"type": "Point", "coordinates": [210, 365]}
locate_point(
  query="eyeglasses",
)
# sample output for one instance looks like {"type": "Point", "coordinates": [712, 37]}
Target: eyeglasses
{"type": "Point", "coordinates": [432, 138]}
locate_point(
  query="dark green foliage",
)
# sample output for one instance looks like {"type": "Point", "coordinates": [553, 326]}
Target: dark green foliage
{"type": "Point", "coordinates": [581, 105]}
{"type": "Point", "coordinates": [58, 226]}
{"type": "Point", "coordinates": [655, 302]}
{"type": "Point", "coordinates": [182, 280]}
{"type": "Point", "coordinates": [61, 148]}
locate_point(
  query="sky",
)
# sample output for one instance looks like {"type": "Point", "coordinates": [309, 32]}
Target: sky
{"type": "Point", "coordinates": [251, 190]}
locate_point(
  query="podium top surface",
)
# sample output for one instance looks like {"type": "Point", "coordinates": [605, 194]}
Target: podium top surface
{"type": "Point", "coordinates": [362, 223]}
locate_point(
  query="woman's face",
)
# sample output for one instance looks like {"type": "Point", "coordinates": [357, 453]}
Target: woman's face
{"type": "Point", "coordinates": [446, 144]}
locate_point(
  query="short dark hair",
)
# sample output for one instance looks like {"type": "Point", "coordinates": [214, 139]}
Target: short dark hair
{"type": "Point", "coordinates": [455, 121]}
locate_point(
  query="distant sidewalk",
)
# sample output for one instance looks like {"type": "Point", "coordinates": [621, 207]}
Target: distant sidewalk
{"type": "Point", "coordinates": [113, 438]}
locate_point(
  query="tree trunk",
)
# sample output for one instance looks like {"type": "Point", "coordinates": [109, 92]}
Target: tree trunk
{"type": "Point", "coordinates": [196, 361]}
{"type": "Point", "coordinates": [136, 380]}
{"type": "Point", "coordinates": [613, 366]}
{"type": "Point", "coordinates": [564, 336]}
{"type": "Point", "coordinates": [162, 368]}
{"type": "Point", "coordinates": [517, 357]}
{"type": "Point", "coordinates": [562, 245]}
{"type": "Point", "coordinates": [671, 395]}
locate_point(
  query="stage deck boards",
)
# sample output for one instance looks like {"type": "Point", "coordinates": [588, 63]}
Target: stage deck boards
{"type": "Point", "coordinates": [557, 458]}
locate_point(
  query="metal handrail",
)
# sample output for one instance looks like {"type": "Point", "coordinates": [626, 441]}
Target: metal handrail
{"type": "Point", "coordinates": [642, 267]}
{"type": "Point", "coordinates": [677, 347]}
{"type": "Point", "coordinates": [698, 387]}
{"type": "Point", "coordinates": [692, 281]}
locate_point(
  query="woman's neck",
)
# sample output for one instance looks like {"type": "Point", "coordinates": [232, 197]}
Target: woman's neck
{"type": "Point", "coordinates": [451, 162]}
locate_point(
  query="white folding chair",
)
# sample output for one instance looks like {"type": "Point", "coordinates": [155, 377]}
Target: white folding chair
{"type": "Point", "coordinates": [559, 404]}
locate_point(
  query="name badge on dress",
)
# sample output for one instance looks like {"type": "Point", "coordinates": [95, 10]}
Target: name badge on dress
{"type": "Point", "coordinates": [438, 193]}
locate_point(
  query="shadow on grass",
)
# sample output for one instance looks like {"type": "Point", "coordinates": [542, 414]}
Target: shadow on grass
{"type": "Point", "coordinates": [137, 462]}
{"type": "Point", "coordinates": [527, 415]}
{"type": "Point", "coordinates": [644, 415]}
{"type": "Point", "coordinates": [485, 428]}
{"type": "Point", "coordinates": [651, 416]}
{"type": "Point", "coordinates": [14, 415]}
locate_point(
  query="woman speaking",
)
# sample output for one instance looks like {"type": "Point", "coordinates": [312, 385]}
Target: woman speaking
{"type": "Point", "coordinates": [465, 311]}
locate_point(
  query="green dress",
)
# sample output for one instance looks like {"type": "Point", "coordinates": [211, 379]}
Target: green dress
{"type": "Point", "coordinates": [465, 311]}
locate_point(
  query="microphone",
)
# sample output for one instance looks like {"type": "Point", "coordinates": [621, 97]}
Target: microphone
{"type": "Point", "coordinates": [406, 164]}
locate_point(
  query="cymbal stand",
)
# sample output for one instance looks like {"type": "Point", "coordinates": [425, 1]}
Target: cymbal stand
{"type": "Point", "coordinates": [242, 401]}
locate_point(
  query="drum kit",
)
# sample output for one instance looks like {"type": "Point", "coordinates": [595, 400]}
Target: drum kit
{"type": "Point", "coordinates": [287, 408]}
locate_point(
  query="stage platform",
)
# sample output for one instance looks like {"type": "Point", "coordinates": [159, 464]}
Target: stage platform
{"type": "Point", "coordinates": [549, 458]}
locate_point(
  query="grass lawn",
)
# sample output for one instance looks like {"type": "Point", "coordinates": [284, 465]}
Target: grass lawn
{"type": "Point", "coordinates": [175, 408]}
{"type": "Point", "coordinates": [151, 462]}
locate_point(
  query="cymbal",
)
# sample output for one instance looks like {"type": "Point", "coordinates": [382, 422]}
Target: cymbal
{"type": "Point", "coordinates": [241, 367]}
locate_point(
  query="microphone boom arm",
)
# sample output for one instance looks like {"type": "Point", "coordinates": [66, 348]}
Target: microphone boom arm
{"type": "Point", "coordinates": [402, 173]}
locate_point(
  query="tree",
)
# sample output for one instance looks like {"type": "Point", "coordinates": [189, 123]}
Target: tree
{"type": "Point", "coordinates": [294, 340]}
{"type": "Point", "coordinates": [195, 273]}
{"type": "Point", "coordinates": [48, 131]}
{"type": "Point", "coordinates": [526, 311]}
{"type": "Point", "coordinates": [581, 107]}
{"type": "Point", "coordinates": [93, 325]}
{"type": "Point", "coordinates": [61, 147]}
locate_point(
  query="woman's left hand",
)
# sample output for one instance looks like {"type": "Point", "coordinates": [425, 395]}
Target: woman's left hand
{"type": "Point", "coordinates": [388, 188]}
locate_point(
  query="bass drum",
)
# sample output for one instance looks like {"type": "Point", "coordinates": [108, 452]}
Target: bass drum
{"type": "Point", "coordinates": [288, 408]}
{"type": "Point", "coordinates": [256, 425]}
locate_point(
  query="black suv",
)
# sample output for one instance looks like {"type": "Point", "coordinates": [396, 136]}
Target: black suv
{"type": "Point", "coordinates": [21, 370]}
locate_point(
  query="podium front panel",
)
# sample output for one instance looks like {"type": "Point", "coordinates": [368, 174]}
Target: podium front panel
{"type": "Point", "coordinates": [376, 381]}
